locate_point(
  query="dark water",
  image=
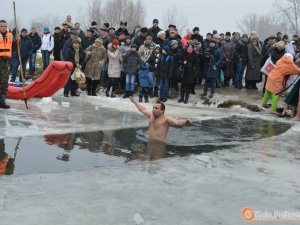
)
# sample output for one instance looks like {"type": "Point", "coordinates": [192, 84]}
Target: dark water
{"type": "Point", "coordinates": [77, 151]}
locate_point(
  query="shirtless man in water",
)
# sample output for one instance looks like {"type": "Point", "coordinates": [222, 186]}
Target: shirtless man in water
{"type": "Point", "coordinates": [159, 123]}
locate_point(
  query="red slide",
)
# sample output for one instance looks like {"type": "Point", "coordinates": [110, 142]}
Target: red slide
{"type": "Point", "coordinates": [54, 78]}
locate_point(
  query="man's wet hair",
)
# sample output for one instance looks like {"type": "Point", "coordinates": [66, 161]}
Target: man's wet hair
{"type": "Point", "coordinates": [3, 21]}
{"type": "Point", "coordinates": [162, 105]}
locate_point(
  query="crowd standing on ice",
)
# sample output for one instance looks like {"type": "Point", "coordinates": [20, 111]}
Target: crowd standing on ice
{"type": "Point", "coordinates": [159, 61]}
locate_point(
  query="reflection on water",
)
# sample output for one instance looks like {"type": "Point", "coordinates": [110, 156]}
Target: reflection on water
{"type": "Point", "coordinates": [64, 152]}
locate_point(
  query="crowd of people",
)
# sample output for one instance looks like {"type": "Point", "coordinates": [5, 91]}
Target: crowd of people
{"type": "Point", "coordinates": [162, 61]}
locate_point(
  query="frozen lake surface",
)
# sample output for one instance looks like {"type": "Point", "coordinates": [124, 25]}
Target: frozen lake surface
{"type": "Point", "coordinates": [228, 160]}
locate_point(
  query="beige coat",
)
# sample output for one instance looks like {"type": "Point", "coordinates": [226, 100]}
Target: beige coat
{"type": "Point", "coordinates": [95, 63]}
{"type": "Point", "coordinates": [114, 62]}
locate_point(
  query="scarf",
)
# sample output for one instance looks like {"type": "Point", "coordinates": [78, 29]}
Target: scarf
{"type": "Point", "coordinates": [76, 55]}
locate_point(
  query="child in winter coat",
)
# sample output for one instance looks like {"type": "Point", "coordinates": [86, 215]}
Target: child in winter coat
{"type": "Point", "coordinates": [146, 82]}
{"type": "Point", "coordinates": [132, 63]}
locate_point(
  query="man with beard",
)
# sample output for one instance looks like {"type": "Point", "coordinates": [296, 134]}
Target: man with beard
{"type": "Point", "coordinates": [158, 122]}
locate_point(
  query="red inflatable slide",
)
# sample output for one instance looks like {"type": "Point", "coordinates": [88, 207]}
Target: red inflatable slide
{"type": "Point", "coordinates": [54, 78]}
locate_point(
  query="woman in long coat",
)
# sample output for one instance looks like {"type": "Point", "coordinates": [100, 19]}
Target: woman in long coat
{"type": "Point", "coordinates": [114, 66]}
{"type": "Point", "coordinates": [253, 74]}
{"type": "Point", "coordinates": [96, 57]}
{"type": "Point", "coordinates": [189, 60]}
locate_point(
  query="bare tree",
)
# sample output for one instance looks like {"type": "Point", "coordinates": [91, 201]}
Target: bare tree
{"type": "Point", "coordinates": [95, 12]}
{"type": "Point", "coordinates": [114, 11]}
{"type": "Point", "coordinates": [175, 17]}
{"type": "Point", "coordinates": [264, 25]}
{"type": "Point", "coordinates": [289, 13]}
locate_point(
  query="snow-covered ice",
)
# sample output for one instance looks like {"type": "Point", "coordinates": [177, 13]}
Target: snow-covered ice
{"type": "Point", "coordinates": [211, 188]}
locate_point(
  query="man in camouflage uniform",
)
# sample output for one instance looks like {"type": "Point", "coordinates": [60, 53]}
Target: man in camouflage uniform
{"type": "Point", "coordinates": [5, 54]}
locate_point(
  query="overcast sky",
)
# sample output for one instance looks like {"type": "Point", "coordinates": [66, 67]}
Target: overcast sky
{"type": "Point", "coordinates": [208, 15]}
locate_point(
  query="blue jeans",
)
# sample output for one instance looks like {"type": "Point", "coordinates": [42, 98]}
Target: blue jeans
{"type": "Point", "coordinates": [46, 58]}
{"type": "Point", "coordinates": [210, 83]}
{"type": "Point", "coordinates": [32, 59]}
{"type": "Point", "coordinates": [164, 88]}
{"type": "Point", "coordinates": [240, 69]}
{"type": "Point", "coordinates": [15, 64]}
{"type": "Point", "coordinates": [130, 79]}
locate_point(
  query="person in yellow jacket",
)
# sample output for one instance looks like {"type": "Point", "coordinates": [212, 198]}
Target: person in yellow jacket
{"type": "Point", "coordinates": [6, 40]}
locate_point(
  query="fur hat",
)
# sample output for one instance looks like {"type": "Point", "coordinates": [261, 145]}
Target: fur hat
{"type": "Point", "coordinates": [161, 33]}
{"type": "Point", "coordinates": [23, 30]}
{"type": "Point", "coordinates": [99, 40]}
{"type": "Point", "coordinates": [76, 40]}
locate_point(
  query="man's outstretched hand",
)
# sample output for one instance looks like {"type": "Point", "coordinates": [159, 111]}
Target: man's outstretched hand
{"type": "Point", "coordinates": [188, 122]}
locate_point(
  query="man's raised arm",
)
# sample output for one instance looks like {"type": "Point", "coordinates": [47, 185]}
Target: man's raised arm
{"type": "Point", "coordinates": [178, 123]}
{"type": "Point", "coordinates": [141, 108]}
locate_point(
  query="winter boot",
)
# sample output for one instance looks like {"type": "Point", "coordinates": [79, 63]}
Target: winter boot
{"type": "Point", "coordinates": [181, 95]}
{"type": "Point", "coordinates": [187, 94]}
{"type": "Point", "coordinates": [89, 86]}
{"type": "Point", "coordinates": [94, 86]}
{"type": "Point", "coordinates": [146, 99]}
{"type": "Point", "coordinates": [126, 95]}
{"type": "Point", "coordinates": [112, 95]}
{"type": "Point", "coordinates": [140, 98]}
